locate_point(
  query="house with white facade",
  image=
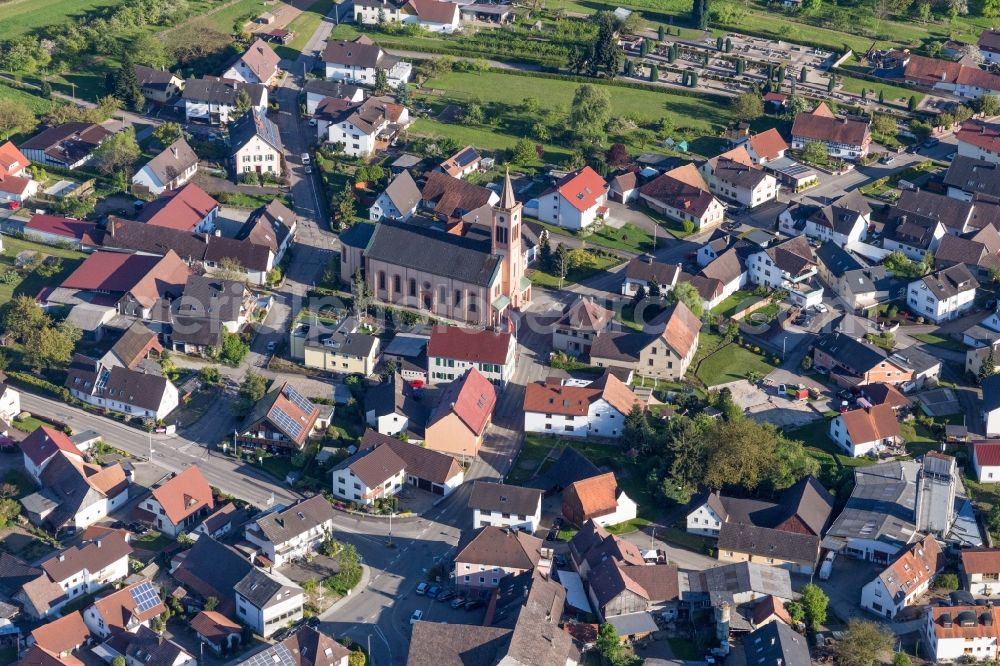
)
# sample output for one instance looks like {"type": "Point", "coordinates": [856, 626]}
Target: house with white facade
{"type": "Point", "coordinates": [124, 610]}
{"type": "Point", "coordinates": [362, 128]}
{"type": "Point", "coordinates": [369, 475]}
{"type": "Point", "coordinates": [643, 270]}
{"type": "Point", "coordinates": [293, 532]}
{"type": "Point", "coordinates": [979, 140]}
{"type": "Point", "coordinates": [844, 222]}
{"type": "Point", "coordinates": [431, 15]}
{"type": "Point", "coordinates": [790, 265]}
{"type": "Point", "coordinates": [581, 322]}
{"type": "Point", "coordinates": [319, 90]}
{"type": "Point", "coordinates": [503, 505]}
{"type": "Point", "coordinates": [121, 389]}
{"type": "Point", "coordinates": [904, 580]}
{"type": "Point", "coordinates": [735, 176]}
{"type": "Point", "coordinates": [258, 64]}
{"type": "Point", "coordinates": [177, 504]}
{"type": "Point", "coordinates": [170, 170]}
{"type": "Point", "coordinates": [980, 570]}
{"type": "Point", "coordinates": [86, 568]}
{"type": "Point", "coordinates": [358, 60]}
{"type": "Point", "coordinates": [487, 555]}
{"type": "Point", "coordinates": [860, 432]}
{"type": "Point", "coordinates": [213, 99]}
{"type": "Point", "coordinates": [682, 195]}
{"type": "Point", "coordinates": [436, 472]}
{"type": "Point", "coordinates": [946, 76]}
{"type": "Point", "coordinates": [955, 633]}
{"type": "Point", "coordinates": [598, 498]}
{"type": "Point", "coordinates": [16, 183]}
{"type": "Point", "coordinates": [986, 461]}
{"type": "Point", "coordinates": [576, 201]}
{"type": "Point", "coordinates": [399, 201]}
{"type": "Point", "coordinates": [452, 350]}
{"type": "Point", "coordinates": [10, 402]}
{"type": "Point", "coordinates": [844, 138]}
{"type": "Point", "coordinates": [572, 408]}
{"type": "Point", "coordinates": [467, 160]}
{"type": "Point", "coordinates": [991, 405]}
{"type": "Point", "coordinates": [989, 45]}
{"type": "Point", "coordinates": [943, 295]}
{"type": "Point", "coordinates": [255, 146]}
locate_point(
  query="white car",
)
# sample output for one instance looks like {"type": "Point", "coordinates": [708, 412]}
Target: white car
{"type": "Point", "coordinates": [305, 158]}
{"type": "Point", "coordinates": [822, 308]}
{"type": "Point", "coordinates": [417, 615]}
{"type": "Point", "coordinates": [312, 122]}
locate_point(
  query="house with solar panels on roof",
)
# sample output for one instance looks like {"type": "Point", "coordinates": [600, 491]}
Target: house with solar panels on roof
{"type": "Point", "coordinates": [281, 421]}
{"type": "Point", "coordinates": [462, 163]}
{"type": "Point", "coordinates": [126, 609]}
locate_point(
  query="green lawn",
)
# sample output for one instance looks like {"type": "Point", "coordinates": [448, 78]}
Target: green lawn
{"type": "Point", "coordinates": [152, 541]}
{"type": "Point", "coordinates": [21, 16]}
{"type": "Point", "coordinates": [31, 284]}
{"type": "Point", "coordinates": [223, 20]}
{"type": "Point", "coordinates": [940, 341]}
{"type": "Point", "coordinates": [486, 138]}
{"type": "Point", "coordinates": [533, 451]}
{"type": "Point", "coordinates": [600, 263]}
{"type": "Point", "coordinates": [628, 237]}
{"type": "Point", "coordinates": [894, 95]}
{"type": "Point", "coordinates": [729, 305]}
{"type": "Point", "coordinates": [730, 363]}
{"type": "Point", "coordinates": [303, 27]}
{"type": "Point", "coordinates": [38, 105]}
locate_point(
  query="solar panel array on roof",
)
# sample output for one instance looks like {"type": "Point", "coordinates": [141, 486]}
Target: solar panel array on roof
{"type": "Point", "coordinates": [276, 655]}
{"type": "Point", "coordinates": [298, 400]}
{"type": "Point", "coordinates": [467, 156]}
{"type": "Point", "coordinates": [145, 597]}
{"type": "Point", "coordinates": [286, 423]}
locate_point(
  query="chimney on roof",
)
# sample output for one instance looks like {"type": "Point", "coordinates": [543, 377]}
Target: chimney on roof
{"type": "Point", "coordinates": [173, 149]}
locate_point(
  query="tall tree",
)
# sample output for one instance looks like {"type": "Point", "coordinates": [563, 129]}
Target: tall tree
{"type": "Point", "coordinates": [688, 294]}
{"type": "Point", "coordinates": [242, 104]}
{"type": "Point", "coordinates": [361, 292]}
{"type": "Point", "coordinates": [606, 54]}
{"type": "Point", "coordinates": [988, 367]}
{"type": "Point", "coordinates": [561, 263]}
{"type": "Point", "coordinates": [381, 81]}
{"type": "Point", "coordinates": [127, 87]}
{"type": "Point", "coordinates": [23, 315]}
{"type": "Point", "coordinates": [51, 346]}
{"type": "Point", "coordinates": [168, 132]}
{"type": "Point", "coordinates": [14, 117]}
{"type": "Point", "coordinates": [588, 114]}
{"type": "Point", "coordinates": [118, 154]}
{"type": "Point", "coordinates": [863, 644]}
{"type": "Point", "coordinates": [609, 645]}
{"type": "Point", "coordinates": [814, 603]}
{"type": "Point", "coordinates": [748, 107]}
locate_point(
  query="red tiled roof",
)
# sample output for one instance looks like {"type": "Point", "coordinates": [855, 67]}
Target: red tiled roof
{"type": "Point", "coordinates": [43, 443]}
{"type": "Point", "coordinates": [594, 497]}
{"type": "Point", "coordinates": [466, 344]}
{"type": "Point", "coordinates": [434, 11]}
{"type": "Point", "coordinates": [981, 560]}
{"type": "Point", "coordinates": [987, 453]}
{"type": "Point", "coordinates": [261, 60]}
{"type": "Point", "coordinates": [769, 144]}
{"type": "Point", "coordinates": [60, 226]}
{"type": "Point", "coordinates": [184, 494]}
{"type": "Point", "coordinates": [62, 635]}
{"type": "Point", "coordinates": [980, 134]}
{"type": "Point", "coordinates": [180, 209]}
{"type": "Point", "coordinates": [583, 189]}
{"type": "Point", "coordinates": [283, 402]}
{"type": "Point", "coordinates": [818, 126]}
{"type": "Point", "coordinates": [12, 160]}
{"type": "Point", "coordinates": [681, 329]}
{"type": "Point", "coordinates": [555, 398]}
{"type": "Point", "coordinates": [117, 608]}
{"type": "Point", "coordinates": [471, 398]}
{"type": "Point", "coordinates": [110, 271]}
{"type": "Point", "coordinates": [871, 425]}
{"type": "Point", "coordinates": [213, 625]}
{"type": "Point", "coordinates": [976, 629]}
{"type": "Point", "coordinates": [14, 184]}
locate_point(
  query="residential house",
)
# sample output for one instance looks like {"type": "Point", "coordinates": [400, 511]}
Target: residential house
{"type": "Point", "coordinates": [986, 461]}
{"type": "Point", "coordinates": [574, 409]}
{"type": "Point", "coordinates": [643, 270]}
{"type": "Point", "coordinates": [843, 222]}
{"type": "Point", "coordinates": [364, 127]}
{"type": "Point", "coordinates": [943, 295]}
{"type": "Point", "coordinates": [69, 145]}
{"type": "Point", "coordinates": [409, 352]}
{"type": "Point", "coordinates": [305, 646]}
{"type": "Point", "coordinates": [742, 542]}
{"type": "Point", "coordinates": [318, 90]}
{"type": "Point", "coordinates": [617, 591]}
{"type": "Point", "coordinates": [452, 350]}
{"type": "Point", "coordinates": [179, 503]}
{"type": "Point", "coordinates": [394, 407]}
{"type": "Point", "coordinates": [504, 505]}
{"type": "Point", "coordinates": [358, 60]}
{"type": "Point", "coordinates": [950, 77]}
{"type": "Point", "coordinates": [294, 532]}
{"type": "Point", "coordinates": [207, 253]}
{"type": "Point", "coordinates": [576, 201]}
{"type": "Point", "coordinates": [664, 354]}
{"type": "Point", "coordinates": [451, 197]}
{"type": "Point", "coordinates": [135, 393]}
{"type": "Point", "coordinates": [598, 498]}
{"type": "Point", "coordinates": [146, 646]}
{"type": "Point", "coordinates": [343, 350]}
{"type": "Point", "coordinates": [258, 64]}
{"type": "Point", "coordinates": [255, 146]}
{"type": "Point", "coordinates": [977, 139]}
{"type": "Point", "coordinates": [462, 163]}
{"type": "Point", "coordinates": [991, 405]}
{"type": "Point", "coordinates": [913, 235]}
{"type": "Point", "coordinates": [457, 425]}
{"type": "Point", "coordinates": [681, 194]}
{"type": "Point", "coordinates": [209, 309]}
{"type": "Point", "coordinates": [272, 226]}
{"type": "Point", "coordinates": [126, 610]}
{"type": "Point", "coordinates": [222, 521]}
{"type": "Point", "coordinates": [790, 265]}
{"type": "Point", "coordinates": [854, 362]}
{"type": "Point", "coordinates": [865, 431]}
{"type": "Point", "coordinates": [974, 358]}
{"type": "Point", "coordinates": [989, 45]}
{"type": "Point", "coordinates": [979, 251]}
{"type": "Point", "coordinates": [728, 271]}
{"type": "Point", "coordinates": [214, 99]}
{"type": "Point", "coordinates": [581, 322]}
{"type": "Point", "coordinates": [10, 402]}
{"type": "Point", "coordinates": [972, 179]}
{"type": "Point", "coordinates": [62, 637]}
{"type": "Point", "coordinates": [265, 601]}
{"type": "Point", "coordinates": [369, 475]}
{"type": "Point", "coordinates": [953, 633]}
{"type": "Point", "coordinates": [904, 580]}
{"type": "Point", "coordinates": [958, 217]}
{"type": "Point", "coordinates": [776, 643]}
{"type": "Point", "coordinates": [844, 138]}
{"type": "Point", "coordinates": [433, 15]}
{"type": "Point", "coordinates": [170, 170]}
{"type": "Point", "coordinates": [485, 555]}
{"type": "Point", "coordinates": [592, 544]}
{"type": "Point", "coordinates": [624, 187]}
{"type": "Point", "coordinates": [188, 209]}
{"type": "Point", "coordinates": [218, 632]}
{"type": "Point", "coordinates": [980, 570]}
{"type": "Point", "coordinates": [158, 87]}
{"type": "Point", "coordinates": [399, 201]}
{"type": "Point", "coordinates": [426, 469]}
{"type": "Point", "coordinates": [736, 584]}
{"type": "Point", "coordinates": [42, 445]}
{"type": "Point", "coordinates": [281, 421]}
{"type": "Point", "coordinates": [16, 183]}
{"type": "Point", "coordinates": [735, 176]}
{"type": "Point", "coordinates": [765, 147]}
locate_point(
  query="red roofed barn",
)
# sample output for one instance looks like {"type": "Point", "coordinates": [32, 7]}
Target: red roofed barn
{"type": "Point", "coordinates": [576, 200]}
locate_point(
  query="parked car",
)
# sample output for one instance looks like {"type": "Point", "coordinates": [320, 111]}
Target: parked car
{"type": "Point", "coordinates": [433, 591]}
{"type": "Point", "coordinates": [473, 604]}
{"type": "Point", "coordinates": [308, 169]}
{"type": "Point", "coordinates": [312, 122]}
{"type": "Point", "coordinates": [457, 602]}
{"type": "Point", "coordinates": [417, 615]}
{"type": "Point", "coordinates": [930, 143]}
{"type": "Point", "coordinates": [445, 596]}
{"type": "Point", "coordinates": [422, 588]}
{"type": "Point", "coordinates": [305, 158]}
{"type": "Point", "coordinates": [888, 158]}
{"type": "Point", "coordinates": [820, 307]}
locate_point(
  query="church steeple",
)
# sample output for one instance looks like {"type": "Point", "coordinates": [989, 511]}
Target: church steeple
{"type": "Point", "coordinates": [507, 200]}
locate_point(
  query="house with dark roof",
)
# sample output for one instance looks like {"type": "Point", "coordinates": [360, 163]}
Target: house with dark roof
{"type": "Point", "coordinates": [744, 542]}
{"type": "Point", "coordinates": [272, 226]}
{"type": "Point", "coordinates": [485, 555]}
{"type": "Point", "coordinates": [145, 646]}
{"type": "Point", "coordinates": [452, 350]}
{"type": "Point", "coordinates": [213, 99]}
{"type": "Point", "coordinates": [776, 643]}
{"type": "Point", "coordinates": [356, 61]}
{"type": "Point", "coordinates": [293, 532]}
{"type": "Point", "coordinates": [682, 195]}
{"type": "Point", "coordinates": [178, 504]}
{"type": "Point", "coordinates": [426, 469]}
{"type": "Point", "coordinates": [865, 431]}
{"type": "Point", "coordinates": [158, 87]}
{"type": "Point", "coordinates": [978, 250]}
{"type": "Point", "coordinates": [209, 309]}
{"type": "Point", "coordinates": [281, 421]}
{"type": "Point", "coordinates": [971, 179]}
{"type": "Point", "coordinates": [504, 505]}
{"type": "Point", "coordinates": [645, 269]}
{"type": "Point", "coordinates": [576, 200]}
{"type": "Point", "coordinates": [571, 409]}
{"type": "Point", "coordinates": [905, 579]}
{"type": "Point", "coordinates": [394, 406]}
{"type": "Point", "coordinates": [600, 499]}
{"type": "Point", "coordinates": [619, 590]}
{"type": "Point", "coordinates": [318, 90]}
{"type": "Point", "coordinates": [734, 175]}
{"type": "Point", "coordinates": [844, 137]}
{"type": "Point", "coordinates": [789, 265]}
{"type": "Point", "coordinates": [581, 322]}
{"type": "Point", "coordinates": [457, 425]}
{"type": "Point", "coordinates": [305, 646]}
{"type": "Point", "coordinates": [258, 64]}
{"type": "Point", "coordinates": [399, 200]}
{"type": "Point", "coordinates": [170, 170]}
{"type": "Point", "coordinates": [856, 362]}
{"type": "Point", "coordinates": [255, 146]}
{"type": "Point", "coordinates": [69, 146]}
{"type": "Point", "coordinates": [663, 350]}
{"type": "Point", "coordinates": [369, 475]}
{"type": "Point", "coordinates": [991, 405]}
{"type": "Point", "coordinates": [222, 521]}
{"type": "Point", "coordinates": [845, 221]}
{"type": "Point", "coordinates": [341, 349]}
{"type": "Point", "coordinates": [117, 388]}
{"type": "Point", "coordinates": [362, 127]}
{"type": "Point", "coordinates": [943, 295]}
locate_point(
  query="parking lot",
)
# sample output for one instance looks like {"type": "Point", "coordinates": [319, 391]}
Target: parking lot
{"type": "Point", "coordinates": [768, 405]}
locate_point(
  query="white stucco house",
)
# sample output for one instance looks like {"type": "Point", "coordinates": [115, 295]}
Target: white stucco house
{"type": "Point", "coordinates": [734, 176]}
{"type": "Point", "coordinates": [868, 430]}
{"type": "Point", "coordinates": [986, 461]}
{"type": "Point", "coordinates": [991, 405]}
{"type": "Point", "coordinates": [943, 295]}
{"type": "Point", "coordinates": [578, 409]}
{"type": "Point", "coordinates": [294, 532]}
{"type": "Point", "coordinates": [576, 201]}
{"type": "Point", "coordinates": [502, 505]}
{"type": "Point", "coordinates": [902, 582]}
{"type": "Point", "coordinates": [953, 633]}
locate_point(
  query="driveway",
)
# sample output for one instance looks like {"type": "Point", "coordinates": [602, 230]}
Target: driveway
{"type": "Point", "coordinates": [768, 406]}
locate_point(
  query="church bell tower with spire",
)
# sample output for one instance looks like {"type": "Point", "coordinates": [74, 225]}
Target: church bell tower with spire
{"type": "Point", "coordinates": [507, 245]}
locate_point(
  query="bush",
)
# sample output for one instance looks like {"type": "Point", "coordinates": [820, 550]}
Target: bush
{"type": "Point", "coordinates": [947, 581]}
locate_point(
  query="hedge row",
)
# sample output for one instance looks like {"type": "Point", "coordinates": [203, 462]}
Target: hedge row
{"type": "Point", "coordinates": [43, 385]}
